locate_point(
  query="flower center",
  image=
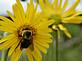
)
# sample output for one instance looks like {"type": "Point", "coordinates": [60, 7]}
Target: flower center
{"type": "Point", "coordinates": [26, 34]}
{"type": "Point", "coordinates": [56, 18]}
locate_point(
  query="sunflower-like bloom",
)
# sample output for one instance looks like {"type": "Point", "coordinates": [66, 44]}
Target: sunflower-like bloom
{"type": "Point", "coordinates": [26, 31]}
{"type": "Point", "coordinates": [61, 14]}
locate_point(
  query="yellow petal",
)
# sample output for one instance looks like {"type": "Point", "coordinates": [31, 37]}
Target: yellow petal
{"type": "Point", "coordinates": [41, 48]}
{"type": "Point", "coordinates": [71, 9]}
{"type": "Point", "coordinates": [35, 18]}
{"type": "Point", "coordinates": [41, 2]}
{"type": "Point", "coordinates": [20, 7]}
{"type": "Point", "coordinates": [20, 15]}
{"type": "Point", "coordinates": [64, 30]}
{"type": "Point", "coordinates": [46, 23]}
{"type": "Point", "coordinates": [17, 14]}
{"type": "Point", "coordinates": [40, 29]}
{"type": "Point", "coordinates": [41, 43]}
{"type": "Point", "coordinates": [73, 20]}
{"type": "Point", "coordinates": [21, 10]}
{"type": "Point", "coordinates": [30, 12]}
{"type": "Point", "coordinates": [59, 8]}
{"type": "Point", "coordinates": [50, 22]}
{"type": "Point", "coordinates": [36, 7]}
{"type": "Point", "coordinates": [46, 8]}
{"type": "Point", "coordinates": [67, 33]}
{"type": "Point", "coordinates": [6, 29]}
{"type": "Point", "coordinates": [55, 4]}
{"type": "Point", "coordinates": [7, 38]}
{"type": "Point", "coordinates": [42, 24]}
{"type": "Point", "coordinates": [31, 1]}
{"type": "Point", "coordinates": [60, 3]}
{"type": "Point", "coordinates": [37, 54]}
{"type": "Point", "coordinates": [76, 13]}
{"type": "Point", "coordinates": [38, 20]}
{"type": "Point", "coordinates": [44, 39]}
{"type": "Point", "coordinates": [54, 27]}
{"type": "Point", "coordinates": [8, 43]}
{"type": "Point", "coordinates": [16, 55]}
{"type": "Point", "coordinates": [45, 35]}
{"type": "Point", "coordinates": [7, 26]}
{"type": "Point", "coordinates": [29, 54]}
{"type": "Point", "coordinates": [13, 18]}
{"type": "Point", "coordinates": [10, 15]}
{"type": "Point", "coordinates": [6, 21]}
{"type": "Point", "coordinates": [48, 3]}
{"type": "Point", "coordinates": [12, 49]}
{"type": "Point", "coordinates": [65, 5]}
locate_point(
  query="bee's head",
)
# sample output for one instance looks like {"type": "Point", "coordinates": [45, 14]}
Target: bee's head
{"type": "Point", "coordinates": [27, 34]}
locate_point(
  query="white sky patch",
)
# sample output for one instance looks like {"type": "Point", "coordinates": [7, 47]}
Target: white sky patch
{"type": "Point", "coordinates": [7, 5]}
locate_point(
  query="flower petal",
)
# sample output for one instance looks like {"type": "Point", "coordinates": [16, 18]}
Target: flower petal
{"type": "Point", "coordinates": [60, 3]}
{"type": "Point", "coordinates": [47, 3]}
{"type": "Point", "coordinates": [7, 24]}
{"type": "Point", "coordinates": [44, 38]}
{"type": "Point", "coordinates": [41, 2]}
{"type": "Point", "coordinates": [37, 54]}
{"type": "Point", "coordinates": [8, 43]}
{"type": "Point", "coordinates": [47, 9]}
{"type": "Point", "coordinates": [71, 9]}
{"type": "Point", "coordinates": [12, 48]}
{"type": "Point", "coordinates": [65, 5]}
{"type": "Point", "coordinates": [41, 48]}
{"type": "Point", "coordinates": [16, 55]}
{"type": "Point", "coordinates": [55, 4]}
{"type": "Point", "coordinates": [65, 30]}
{"type": "Point", "coordinates": [12, 17]}
{"type": "Point", "coordinates": [30, 12]}
{"type": "Point", "coordinates": [73, 20]}
{"type": "Point", "coordinates": [6, 27]}
{"type": "Point", "coordinates": [29, 54]}
{"type": "Point", "coordinates": [7, 38]}
{"type": "Point", "coordinates": [41, 43]}
{"type": "Point", "coordinates": [17, 14]}
{"type": "Point", "coordinates": [21, 10]}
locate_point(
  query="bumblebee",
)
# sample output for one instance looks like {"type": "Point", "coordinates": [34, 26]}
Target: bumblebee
{"type": "Point", "coordinates": [26, 39]}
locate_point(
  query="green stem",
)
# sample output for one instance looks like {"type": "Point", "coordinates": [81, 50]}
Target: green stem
{"type": "Point", "coordinates": [57, 53]}
{"type": "Point", "coordinates": [24, 57]}
{"type": "Point", "coordinates": [4, 55]}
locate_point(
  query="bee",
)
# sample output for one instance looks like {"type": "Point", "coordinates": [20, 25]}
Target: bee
{"type": "Point", "coordinates": [26, 39]}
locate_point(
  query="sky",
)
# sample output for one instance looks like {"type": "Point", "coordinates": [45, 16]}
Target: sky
{"type": "Point", "coordinates": [7, 5]}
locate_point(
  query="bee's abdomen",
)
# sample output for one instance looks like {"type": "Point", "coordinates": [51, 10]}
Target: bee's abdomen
{"type": "Point", "coordinates": [26, 43]}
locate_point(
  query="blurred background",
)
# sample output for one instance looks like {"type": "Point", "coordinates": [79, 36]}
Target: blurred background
{"type": "Point", "coordinates": [69, 49]}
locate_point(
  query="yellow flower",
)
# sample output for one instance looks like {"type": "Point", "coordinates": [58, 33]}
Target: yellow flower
{"type": "Point", "coordinates": [61, 14]}
{"type": "Point", "coordinates": [26, 31]}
